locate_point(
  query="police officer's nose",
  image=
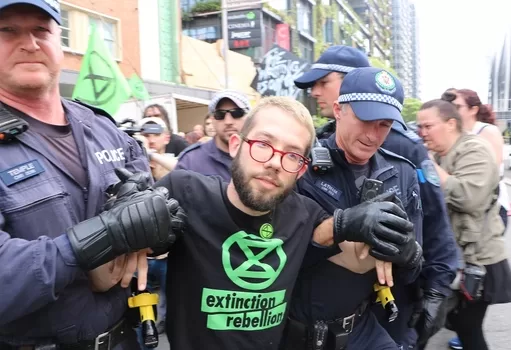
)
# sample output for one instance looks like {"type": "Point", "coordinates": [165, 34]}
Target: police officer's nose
{"type": "Point", "coordinates": [316, 90]}
{"type": "Point", "coordinates": [29, 42]}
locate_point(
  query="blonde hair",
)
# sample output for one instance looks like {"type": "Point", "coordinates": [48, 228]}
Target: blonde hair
{"type": "Point", "coordinates": [289, 105]}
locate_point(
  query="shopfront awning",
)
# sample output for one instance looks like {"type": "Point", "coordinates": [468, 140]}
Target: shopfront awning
{"type": "Point", "coordinates": [186, 97]}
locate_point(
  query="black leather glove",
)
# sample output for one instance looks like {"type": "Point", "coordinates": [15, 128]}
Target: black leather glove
{"type": "Point", "coordinates": [130, 183]}
{"type": "Point", "coordinates": [134, 220]}
{"type": "Point", "coordinates": [379, 223]}
{"type": "Point", "coordinates": [432, 317]}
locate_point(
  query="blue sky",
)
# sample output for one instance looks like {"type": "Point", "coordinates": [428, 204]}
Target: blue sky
{"type": "Point", "coordinates": [457, 41]}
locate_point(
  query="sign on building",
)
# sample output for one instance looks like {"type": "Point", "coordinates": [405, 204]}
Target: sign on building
{"type": "Point", "coordinates": [277, 72]}
{"type": "Point", "coordinates": [244, 28]}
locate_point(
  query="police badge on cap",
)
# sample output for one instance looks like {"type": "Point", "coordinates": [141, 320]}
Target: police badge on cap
{"type": "Point", "coordinates": [385, 82]}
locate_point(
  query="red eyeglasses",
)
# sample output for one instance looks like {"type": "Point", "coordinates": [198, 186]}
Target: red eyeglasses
{"type": "Point", "coordinates": [262, 152]}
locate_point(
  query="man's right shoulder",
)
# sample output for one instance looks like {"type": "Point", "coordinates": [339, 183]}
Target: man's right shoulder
{"type": "Point", "coordinates": [188, 151]}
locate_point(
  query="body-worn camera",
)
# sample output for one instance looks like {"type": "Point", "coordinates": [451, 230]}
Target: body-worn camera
{"type": "Point", "coordinates": [370, 189]}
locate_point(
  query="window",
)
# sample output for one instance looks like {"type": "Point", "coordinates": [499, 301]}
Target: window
{"type": "Point", "coordinates": [108, 32]}
{"type": "Point", "coordinates": [65, 27]}
{"type": "Point", "coordinates": [187, 5]}
{"type": "Point", "coordinates": [203, 33]}
{"type": "Point", "coordinates": [329, 31]}
{"type": "Point", "coordinates": [304, 17]}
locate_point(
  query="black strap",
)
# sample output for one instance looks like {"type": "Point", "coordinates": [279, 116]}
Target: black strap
{"type": "Point", "coordinates": [10, 125]}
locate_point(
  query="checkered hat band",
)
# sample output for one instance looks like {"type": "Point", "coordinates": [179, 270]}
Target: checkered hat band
{"type": "Point", "coordinates": [372, 97]}
{"type": "Point", "coordinates": [332, 67]}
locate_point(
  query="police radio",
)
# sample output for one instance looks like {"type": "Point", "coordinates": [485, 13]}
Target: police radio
{"type": "Point", "coordinates": [10, 126]}
{"type": "Point", "coordinates": [321, 161]}
{"type": "Point", "coordinates": [372, 188]}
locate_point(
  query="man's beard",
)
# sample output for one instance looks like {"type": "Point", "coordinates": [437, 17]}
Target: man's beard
{"type": "Point", "coordinates": [247, 195]}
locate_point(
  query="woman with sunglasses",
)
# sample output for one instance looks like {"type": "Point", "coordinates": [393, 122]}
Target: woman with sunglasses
{"type": "Point", "coordinates": [469, 178]}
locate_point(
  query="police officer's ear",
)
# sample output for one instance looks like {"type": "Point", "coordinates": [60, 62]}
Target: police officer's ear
{"type": "Point", "coordinates": [235, 142]}
{"type": "Point", "coordinates": [337, 110]}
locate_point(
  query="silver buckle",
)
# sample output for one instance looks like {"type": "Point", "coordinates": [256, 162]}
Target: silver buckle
{"type": "Point", "coordinates": [101, 340]}
{"type": "Point", "coordinates": [348, 322]}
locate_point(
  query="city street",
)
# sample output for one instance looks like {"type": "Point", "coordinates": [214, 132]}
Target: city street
{"type": "Point", "coordinates": [497, 324]}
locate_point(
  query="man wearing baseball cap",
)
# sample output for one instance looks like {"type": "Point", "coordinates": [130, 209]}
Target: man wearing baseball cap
{"type": "Point", "coordinates": [61, 287]}
{"type": "Point", "coordinates": [326, 75]}
{"type": "Point", "coordinates": [438, 244]}
{"type": "Point", "coordinates": [370, 101]}
{"type": "Point", "coordinates": [229, 109]}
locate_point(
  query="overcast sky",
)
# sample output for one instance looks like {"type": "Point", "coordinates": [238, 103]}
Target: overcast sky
{"type": "Point", "coordinates": [457, 41]}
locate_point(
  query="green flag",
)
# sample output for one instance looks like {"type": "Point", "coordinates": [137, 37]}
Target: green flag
{"type": "Point", "coordinates": [101, 82]}
{"type": "Point", "coordinates": [138, 89]}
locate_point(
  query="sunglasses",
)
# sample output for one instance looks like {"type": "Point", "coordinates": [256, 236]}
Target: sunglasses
{"type": "Point", "coordinates": [236, 113]}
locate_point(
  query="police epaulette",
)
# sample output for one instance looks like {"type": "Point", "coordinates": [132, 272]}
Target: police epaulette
{"type": "Point", "coordinates": [408, 133]}
{"type": "Point", "coordinates": [394, 155]}
{"type": "Point", "coordinates": [96, 110]}
{"type": "Point", "coordinates": [188, 149]}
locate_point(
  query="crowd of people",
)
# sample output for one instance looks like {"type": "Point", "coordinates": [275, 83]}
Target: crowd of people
{"type": "Point", "coordinates": [257, 230]}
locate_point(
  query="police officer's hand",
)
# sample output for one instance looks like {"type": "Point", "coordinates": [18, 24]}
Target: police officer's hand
{"type": "Point", "coordinates": [135, 221]}
{"type": "Point", "coordinates": [432, 317]}
{"type": "Point", "coordinates": [130, 184]}
{"type": "Point", "coordinates": [380, 223]}
{"type": "Point", "coordinates": [409, 253]}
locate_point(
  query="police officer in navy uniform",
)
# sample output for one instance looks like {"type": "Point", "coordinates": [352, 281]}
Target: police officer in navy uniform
{"type": "Point", "coordinates": [326, 293]}
{"type": "Point", "coordinates": [438, 243]}
{"type": "Point", "coordinates": [229, 109]}
{"type": "Point", "coordinates": [60, 287]}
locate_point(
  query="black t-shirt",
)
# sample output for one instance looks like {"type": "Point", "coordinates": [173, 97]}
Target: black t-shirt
{"type": "Point", "coordinates": [230, 277]}
{"type": "Point", "coordinates": [176, 145]}
{"type": "Point", "coordinates": [60, 141]}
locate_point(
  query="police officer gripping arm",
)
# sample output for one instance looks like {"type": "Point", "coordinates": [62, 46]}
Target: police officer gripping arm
{"type": "Point", "coordinates": [54, 179]}
{"type": "Point", "coordinates": [325, 79]}
{"type": "Point", "coordinates": [327, 293]}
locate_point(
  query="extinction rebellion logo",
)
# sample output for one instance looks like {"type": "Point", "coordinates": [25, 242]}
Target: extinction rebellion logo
{"type": "Point", "coordinates": [262, 261]}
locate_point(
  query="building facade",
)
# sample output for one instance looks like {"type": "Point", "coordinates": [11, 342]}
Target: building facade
{"type": "Point", "coordinates": [376, 15]}
{"type": "Point", "coordinates": [255, 30]}
{"type": "Point", "coordinates": [117, 22]}
{"type": "Point", "coordinates": [405, 46]}
{"type": "Point", "coordinates": [416, 57]}
{"type": "Point", "coordinates": [499, 93]}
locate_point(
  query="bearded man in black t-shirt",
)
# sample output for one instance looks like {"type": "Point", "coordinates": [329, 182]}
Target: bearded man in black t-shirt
{"type": "Point", "coordinates": [231, 276]}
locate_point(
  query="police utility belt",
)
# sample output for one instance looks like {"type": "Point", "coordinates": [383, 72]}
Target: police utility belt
{"type": "Point", "coordinates": [325, 335]}
{"type": "Point", "coordinates": [104, 341]}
